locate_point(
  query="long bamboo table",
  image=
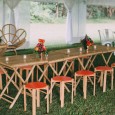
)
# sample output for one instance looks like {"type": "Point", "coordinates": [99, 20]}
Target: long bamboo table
{"type": "Point", "coordinates": [53, 57]}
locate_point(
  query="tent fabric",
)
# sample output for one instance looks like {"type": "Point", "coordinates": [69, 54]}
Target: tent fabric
{"type": "Point", "coordinates": [69, 5]}
{"type": "Point", "coordinates": [78, 21]}
{"type": "Point", "coordinates": [12, 4]}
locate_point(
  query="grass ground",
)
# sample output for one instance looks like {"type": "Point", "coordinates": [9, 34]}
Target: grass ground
{"type": "Point", "coordinates": [101, 104]}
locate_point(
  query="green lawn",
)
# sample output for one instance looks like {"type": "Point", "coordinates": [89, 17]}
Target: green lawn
{"type": "Point", "coordinates": [101, 104]}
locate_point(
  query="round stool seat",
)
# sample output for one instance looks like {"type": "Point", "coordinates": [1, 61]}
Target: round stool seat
{"type": "Point", "coordinates": [26, 67]}
{"type": "Point", "coordinates": [113, 65]}
{"type": "Point", "coordinates": [84, 73]}
{"type": "Point", "coordinates": [103, 68]}
{"type": "Point", "coordinates": [35, 85]}
{"type": "Point", "coordinates": [1, 72]}
{"type": "Point", "coordinates": [62, 78]}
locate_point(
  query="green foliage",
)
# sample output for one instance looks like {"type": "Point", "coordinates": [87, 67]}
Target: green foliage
{"type": "Point", "coordinates": [56, 12]}
{"type": "Point", "coordinates": [45, 12]}
{"type": "Point", "coordinates": [96, 11]}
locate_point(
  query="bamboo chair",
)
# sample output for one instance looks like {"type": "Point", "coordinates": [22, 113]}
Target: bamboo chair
{"type": "Point", "coordinates": [106, 36]}
{"type": "Point", "coordinates": [12, 37]}
{"type": "Point", "coordinates": [3, 48]}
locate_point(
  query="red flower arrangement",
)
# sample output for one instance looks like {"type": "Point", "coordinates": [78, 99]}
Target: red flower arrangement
{"type": "Point", "coordinates": [40, 47]}
{"type": "Point", "coordinates": [87, 41]}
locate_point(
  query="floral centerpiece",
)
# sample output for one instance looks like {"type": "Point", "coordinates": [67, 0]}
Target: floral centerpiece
{"type": "Point", "coordinates": [87, 41]}
{"type": "Point", "coordinates": [40, 47]}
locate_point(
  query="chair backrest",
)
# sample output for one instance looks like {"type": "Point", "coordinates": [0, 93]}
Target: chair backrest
{"type": "Point", "coordinates": [9, 33]}
{"type": "Point", "coordinates": [106, 35]}
{"type": "Point", "coordinates": [20, 36]}
{"type": "Point", "coordinates": [11, 36]}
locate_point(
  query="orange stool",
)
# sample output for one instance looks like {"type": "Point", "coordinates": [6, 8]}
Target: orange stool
{"type": "Point", "coordinates": [102, 79]}
{"type": "Point", "coordinates": [35, 88]}
{"type": "Point", "coordinates": [62, 80]}
{"type": "Point", "coordinates": [85, 74]}
{"type": "Point", "coordinates": [113, 65]}
{"type": "Point", "coordinates": [27, 69]}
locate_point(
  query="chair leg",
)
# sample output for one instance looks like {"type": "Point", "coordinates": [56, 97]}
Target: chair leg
{"type": "Point", "coordinates": [101, 79]}
{"type": "Point", "coordinates": [112, 73]}
{"type": "Point", "coordinates": [47, 99]}
{"type": "Point", "coordinates": [72, 92]}
{"type": "Point", "coordinates": [51, 91]}
{"type": "Point", "coordinates": [38, 98]}
{"type": "Point", "coordinates": [85, 86]}
{"type": "Point", "coordinates": [75, 86]}
{"type": "Point", "coordinates": [33, 101]}
{"type": "Point", "coordinates": [1, 87]}
{"type": "Point", "coordinates": [25, 104]}
{"type": "Point", "coordinates": [62, 93]}
{"type": "Point", "coordinates": [104, 82]}
{"type": "Point", "coordinates": [94, 85]}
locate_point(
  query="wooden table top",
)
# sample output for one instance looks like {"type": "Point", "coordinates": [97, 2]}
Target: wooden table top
{"type": "Point", "coordinates": [54, 56]}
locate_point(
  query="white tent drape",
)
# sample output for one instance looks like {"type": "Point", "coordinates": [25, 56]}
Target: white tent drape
{"type": "Point", "coordinates": [12, 5]}
{"type": "Point", "coordinates": [79, 21]}
{"type": "Point", "coordinates": [69, 5]}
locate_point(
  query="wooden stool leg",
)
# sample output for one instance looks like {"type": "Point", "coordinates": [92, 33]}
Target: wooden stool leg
{"type": "Point", "coordinates": [62, 94]}
{"type": "Point", "coordinates": [101, 79]}
{"type": "Point", "coordinates": [75, 86]}
{"type": "Point", "coordinates": [1, 87]}
{"type": "Point", "coordinates": [112, 73]}
{"type": "Point", "coordinates": [60, 91]}
{"type": "Point", "coordinates": [38, 98]}
{"type": "Point", "coordinates": [47, 99]}
{"type": "Point", "coordinates": [104, 82]}
{"type": "Point", "coordinates": [94, 84]}
{"type": "Point", "coordinates": [6, 83]}
{"type": "Point", "coordinates": [25, 99]}
{"type": "Point", "coordinates": [33, 102]}
{"type": "Point", "coordinates": [72, 92]}
{"type": "Point", "coordinates": [51, 91]}
{"type": "Point", "coordinates": [85, 86]}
